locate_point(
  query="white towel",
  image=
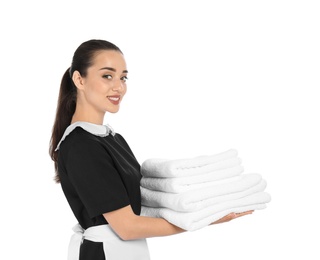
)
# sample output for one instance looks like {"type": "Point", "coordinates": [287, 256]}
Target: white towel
{"type": "Point", "coordinates": [162, 168]}
{"type": "Point", "coordinates": [202, 218]}
{"type": "Point", "coordinates": [217, 192]}
{"type": "Point", "coordinates": [183, 184]}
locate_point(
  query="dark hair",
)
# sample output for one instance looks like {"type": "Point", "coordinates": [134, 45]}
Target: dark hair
{"type": "Point", "coordinates": [81, 61]}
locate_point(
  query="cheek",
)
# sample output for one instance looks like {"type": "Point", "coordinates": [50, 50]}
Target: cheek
{"type": "Point", "coordinates": [124, 89]}
{"type": "Point", "coordinates": [98, 89]}
{"type": "Point", "coordinates": [95, 94]}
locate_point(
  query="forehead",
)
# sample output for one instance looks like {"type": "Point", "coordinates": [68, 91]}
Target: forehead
{"type": "Point", "coordinates": [114, 59]}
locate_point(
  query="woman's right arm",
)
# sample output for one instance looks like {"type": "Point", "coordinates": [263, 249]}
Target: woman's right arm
{"type": "Point", "coordinates": [130, 226]}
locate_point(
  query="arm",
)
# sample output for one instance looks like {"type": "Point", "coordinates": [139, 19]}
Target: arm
{"type": "Point", "coordinates": [130, 226]}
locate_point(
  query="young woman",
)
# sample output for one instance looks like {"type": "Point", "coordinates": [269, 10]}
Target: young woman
{"type": "Point", "coordinates": [98, 172]}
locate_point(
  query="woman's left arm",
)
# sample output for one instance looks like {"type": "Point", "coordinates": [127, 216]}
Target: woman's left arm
{"type": "Point", "coordinates": [130, 226]}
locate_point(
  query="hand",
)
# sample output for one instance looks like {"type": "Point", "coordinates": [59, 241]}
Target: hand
{"type": "Point", "coordinates": [231, 216]}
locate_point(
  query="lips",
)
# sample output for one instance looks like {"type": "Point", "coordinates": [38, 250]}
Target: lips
{"type": "Point", "coordinates": [114, 99]}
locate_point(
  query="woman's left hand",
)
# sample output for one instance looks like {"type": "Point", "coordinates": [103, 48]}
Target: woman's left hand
{"type": "Point", "coordinates": [232, 216]}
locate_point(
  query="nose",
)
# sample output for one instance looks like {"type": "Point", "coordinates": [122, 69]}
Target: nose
{"type": "Point", "coordinates": [118, 85]}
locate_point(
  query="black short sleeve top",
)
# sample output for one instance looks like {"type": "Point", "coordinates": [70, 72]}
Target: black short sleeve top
{"type": "Point", "coordinates": [98, 172]}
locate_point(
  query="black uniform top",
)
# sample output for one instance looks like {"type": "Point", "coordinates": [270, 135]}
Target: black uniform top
{"type": "Point", "coordinates": [98, 174]}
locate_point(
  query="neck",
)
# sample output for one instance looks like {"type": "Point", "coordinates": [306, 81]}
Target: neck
{"type": "Point", "coordinates": [86, 116]}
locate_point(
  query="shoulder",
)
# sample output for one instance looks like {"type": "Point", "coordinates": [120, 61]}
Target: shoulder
{"type": "Point", "coordinates": [120, 139]}
{"type": "Point", "coordinates": [79, 140]}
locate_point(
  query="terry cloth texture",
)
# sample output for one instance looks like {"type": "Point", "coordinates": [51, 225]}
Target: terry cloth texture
{"type": "Point", "coordinates": [192, 193]}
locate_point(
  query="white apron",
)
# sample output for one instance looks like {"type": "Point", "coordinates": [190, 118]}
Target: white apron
{"type": "Point", "coordinates": [114, 248]}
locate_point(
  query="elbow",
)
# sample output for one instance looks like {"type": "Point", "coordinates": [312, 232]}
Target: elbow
{"type": "Point", "coordinates": [126, 230]}
{"type": "Point", "coordinates": [126, 236]}
{"type": "Point", "coordinates": [124, 223]}
{"type": "Point", "coordinates": [126, 233]}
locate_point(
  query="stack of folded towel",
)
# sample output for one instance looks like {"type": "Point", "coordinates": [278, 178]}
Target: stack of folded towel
{"type": "Point", "coordinates": [192, 193]}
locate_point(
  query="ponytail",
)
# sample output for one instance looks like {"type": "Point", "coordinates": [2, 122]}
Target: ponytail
{"type": "Point", "coordinates": [65, 110]}
{"type": "Point", "coordinates": [81, 61]}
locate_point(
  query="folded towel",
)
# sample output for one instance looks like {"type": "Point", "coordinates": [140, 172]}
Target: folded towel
{"type": "Point", "coordinates": [217, 192]}
{"type": "Point", "coordinates": [163, 168]}
{"type": "Point", "coordinates": [195, 220]}
{"type": "Point", "coordinates": [183, 184]}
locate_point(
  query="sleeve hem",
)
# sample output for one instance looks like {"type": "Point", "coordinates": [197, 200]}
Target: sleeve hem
{"type": "Point", "coordinates": [106, 208]}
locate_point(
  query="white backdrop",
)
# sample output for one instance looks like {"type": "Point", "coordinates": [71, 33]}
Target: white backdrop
{"type": "Point", "coordinates": [204, 76]}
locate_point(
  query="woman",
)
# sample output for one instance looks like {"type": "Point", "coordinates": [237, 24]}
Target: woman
{"type": "Point", "coordinates": [97, 170]}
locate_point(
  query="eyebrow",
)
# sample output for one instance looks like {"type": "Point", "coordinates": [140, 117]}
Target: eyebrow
{"type": "Point", "coordinates": [112, 69]}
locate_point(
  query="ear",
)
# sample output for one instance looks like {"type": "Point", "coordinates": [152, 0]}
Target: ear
{"type": "Point", "coordinates": [77, 79]}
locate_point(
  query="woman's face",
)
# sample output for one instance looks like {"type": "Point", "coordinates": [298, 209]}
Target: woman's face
{"type": "Point", "coordinates": [104, 86]}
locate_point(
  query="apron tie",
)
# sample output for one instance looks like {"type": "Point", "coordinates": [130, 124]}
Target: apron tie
{"type": "Point", "coordinates": [75, 243]}
{"type": "Point", "coordinates": [114, 247]}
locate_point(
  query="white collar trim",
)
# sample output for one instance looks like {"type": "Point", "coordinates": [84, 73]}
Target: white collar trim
{"type": "Point", "coordinates": [99, 130]}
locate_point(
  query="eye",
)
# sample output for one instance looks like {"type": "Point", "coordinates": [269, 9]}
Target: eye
{"type": "Point", "coordinates": [124, 78]}
{"type": "Point", "coordinates": [107, 76]}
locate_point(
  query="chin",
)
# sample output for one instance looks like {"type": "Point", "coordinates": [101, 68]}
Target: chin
{"type": "Point", "coordinates": [113, 111]}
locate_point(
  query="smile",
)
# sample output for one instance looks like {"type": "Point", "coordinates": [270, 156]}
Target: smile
{"type": "Point", "coordinates": [114, 99]}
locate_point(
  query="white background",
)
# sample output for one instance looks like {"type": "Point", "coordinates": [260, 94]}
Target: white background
{"type": "Point", "coordinates": [204, 76]}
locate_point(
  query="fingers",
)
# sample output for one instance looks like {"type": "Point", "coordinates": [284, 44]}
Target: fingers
{"type": "Point", "coordinates": [232, 216]}
{"type": "Point", "coordinates": [242, 213]}
{"type": "Point", "coordinates": [225, 218]}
